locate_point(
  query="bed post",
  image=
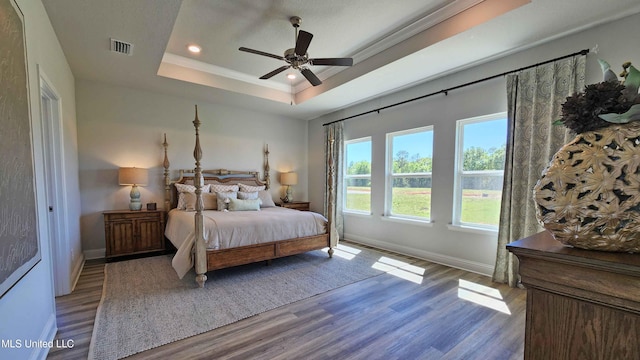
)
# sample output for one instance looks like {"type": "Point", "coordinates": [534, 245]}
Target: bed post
{"type": "Point", "coordinates": [267, 177]}
{"type": "Point", "coordinates": [201, 251]}
{"type": "Point", "coordinates": [167, 180]}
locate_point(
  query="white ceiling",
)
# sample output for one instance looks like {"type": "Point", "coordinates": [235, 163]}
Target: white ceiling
{"type": "Point", "coordinates": [394, 44]}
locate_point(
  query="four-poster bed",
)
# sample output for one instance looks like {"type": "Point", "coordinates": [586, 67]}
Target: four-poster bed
{"type": "Point", "coordinates": [209, 239]}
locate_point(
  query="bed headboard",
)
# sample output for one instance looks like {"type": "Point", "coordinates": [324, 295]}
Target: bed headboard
{"type": "Point", "coordinates": [217, 176]}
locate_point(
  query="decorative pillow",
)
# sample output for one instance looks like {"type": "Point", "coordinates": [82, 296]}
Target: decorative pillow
{"type": "Point", "coordinates": [244, 205]}
{"type": "Point", "coordinates": [249, 188]}
{"type": "Point", "coordinates": [183, 188]}
{"type": "Point", "coordinates": [209, 201]}
{"type": "Point", "coordinates": [247, 195]}
{"type": "Point", "coordinates": [223, 188]}
{"type": "Point", "coordinates": [267, 201]}
{"type": "Point", "coordinates": [224, 198]}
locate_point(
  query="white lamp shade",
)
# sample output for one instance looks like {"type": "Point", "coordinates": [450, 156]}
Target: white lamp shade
{"type": "Point", "coordinates": [289, 178]}
{"type": "Point", "coordinates": [133, 176]}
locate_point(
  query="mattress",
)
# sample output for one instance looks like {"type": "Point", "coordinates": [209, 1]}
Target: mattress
{"type": "Point", "coordinates": [223, 230]}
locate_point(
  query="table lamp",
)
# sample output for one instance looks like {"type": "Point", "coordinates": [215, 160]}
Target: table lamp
{"type": "Point", "coordinates": [134, 177]}
{"type": "Point", "coordinates": [288, 179]}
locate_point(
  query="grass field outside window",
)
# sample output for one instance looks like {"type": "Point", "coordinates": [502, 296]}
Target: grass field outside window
{"type": "Point", "coordinates": [480, 207]}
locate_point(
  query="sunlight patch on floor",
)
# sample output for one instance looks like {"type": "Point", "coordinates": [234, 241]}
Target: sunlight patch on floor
{"type": "Point", "coordinates": [482, 295]}
{"type": "Point", "coordinates": [400, 269]}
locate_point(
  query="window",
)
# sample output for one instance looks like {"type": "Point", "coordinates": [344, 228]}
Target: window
{"type": "Point", "coordinates": [408, 183]}
{"type": "Point", "coordinates": [357, 176]}
{"type": "Point", "coordinates": [480, 155]}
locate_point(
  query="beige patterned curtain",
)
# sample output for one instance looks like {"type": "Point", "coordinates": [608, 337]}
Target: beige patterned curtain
{"type": "Point", "coordinates": [535, 98]}
{"type": "Point", "coordinates": [334, 153]}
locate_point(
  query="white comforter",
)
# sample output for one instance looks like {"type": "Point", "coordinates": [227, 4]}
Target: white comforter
{"type": "Point", "coordinates": [223, 230]}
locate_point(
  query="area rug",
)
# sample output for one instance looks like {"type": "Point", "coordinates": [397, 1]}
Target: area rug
{"type": "Point", "coordinates": [144, 304]}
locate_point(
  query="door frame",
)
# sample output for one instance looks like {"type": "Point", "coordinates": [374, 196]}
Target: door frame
{"type": "Point", "coordinates": [55, 187]}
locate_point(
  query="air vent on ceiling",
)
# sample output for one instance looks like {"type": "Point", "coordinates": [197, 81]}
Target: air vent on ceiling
{"type": "Point", "coordinates": [121, 47]}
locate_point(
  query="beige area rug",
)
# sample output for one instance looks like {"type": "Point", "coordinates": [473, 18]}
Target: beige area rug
{"type": "Point", "coordinates": [144, 304]}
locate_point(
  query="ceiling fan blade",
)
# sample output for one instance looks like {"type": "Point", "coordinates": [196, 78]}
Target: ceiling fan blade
{"type": "Point", "coordinates": [313, 79]}
{"type": "Point", "coordinates": [332, 61]}
{"type": "Point", "coordinates": [275, 72]}
{"type": "Point", "coordinates": [261, 53]}
{"type": "Point", "coordinates": [302, 44]}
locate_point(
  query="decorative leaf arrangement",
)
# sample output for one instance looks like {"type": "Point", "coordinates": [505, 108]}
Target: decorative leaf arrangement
{"type": "Point", "coordinates": [608, 102]}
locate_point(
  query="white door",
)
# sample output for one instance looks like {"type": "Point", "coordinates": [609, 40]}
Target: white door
{"type": "Point", "coordinates": [61, 257]}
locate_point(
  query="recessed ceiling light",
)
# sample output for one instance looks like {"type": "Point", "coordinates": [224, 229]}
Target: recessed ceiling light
{"type": "Point", "coordinates": [291, 76]}
{"type": "Point", "coordinates": [194, 48]}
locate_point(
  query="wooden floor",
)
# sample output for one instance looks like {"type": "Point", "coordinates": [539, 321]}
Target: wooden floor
{"type": "Point", "coordinates": [384, 317]}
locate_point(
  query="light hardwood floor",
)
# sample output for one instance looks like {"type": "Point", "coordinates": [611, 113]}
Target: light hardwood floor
{"type": "Point", "coordinates": [384, 317]}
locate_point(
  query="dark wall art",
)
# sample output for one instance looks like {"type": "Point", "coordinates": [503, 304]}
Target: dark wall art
{"type": "Point", "coordinates": [19, 248]}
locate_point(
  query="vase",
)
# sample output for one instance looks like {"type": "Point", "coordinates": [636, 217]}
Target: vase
{"type": "Point", "coordinates": [589, 194]}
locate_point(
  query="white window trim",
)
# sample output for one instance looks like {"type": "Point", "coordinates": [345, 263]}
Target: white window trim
{"type": "Point", "coordinates": [345, 177]}
{"type": "Point", "coordinates": [457, 224]}
{"type": "Point", "coordinates": [389, 176]}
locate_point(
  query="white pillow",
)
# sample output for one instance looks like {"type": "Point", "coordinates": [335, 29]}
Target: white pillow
{"type": "Point", "coordinates": [267, 201]}
{"type": "Point", "coordinates": [222, 196]}
{"type": "Point", "coordinates": [182, 188]}
{"type": "Point", "coordinates": [247, 195]}
{"type": "Point", "coordinates": [249, 188]}
{"type": "Point", "coordinates": [223, 188]}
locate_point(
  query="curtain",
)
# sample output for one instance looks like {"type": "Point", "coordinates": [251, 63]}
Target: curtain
{"type": "Point", "coordinates": [535, 98]}
{"type": "Point", "coordinates": [334, 154]}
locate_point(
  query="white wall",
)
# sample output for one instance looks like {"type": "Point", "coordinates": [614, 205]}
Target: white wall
{"type": "Point", "coordinates": [617, 42]}
{"type": "Point", "coordinates": [27, 311]}
{"type": "Point", "coordinates": [120, 126]}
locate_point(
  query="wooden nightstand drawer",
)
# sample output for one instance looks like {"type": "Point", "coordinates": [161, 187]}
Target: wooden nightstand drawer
{"type": "Point", "coordinates": [130, 232]}
{"type": "Point", "coordinates": [297, 205]}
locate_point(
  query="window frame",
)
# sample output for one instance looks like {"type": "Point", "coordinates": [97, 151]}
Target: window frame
{"type": "Point", "coordinates": [390, 176]}
{"type": "Point", "coordinates": [459, 173]}
{"type": "Point", "coordinates": [346, 177]}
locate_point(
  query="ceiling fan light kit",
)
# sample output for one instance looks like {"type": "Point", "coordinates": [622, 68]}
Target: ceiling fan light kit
{"type": "Point", "coordinates": [298, 58]}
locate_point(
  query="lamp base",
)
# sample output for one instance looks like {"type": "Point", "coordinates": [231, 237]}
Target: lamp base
{"type": "Point", "coordinates": [288, 195]}
{"type": "Point", "coordinates": [135, 203]}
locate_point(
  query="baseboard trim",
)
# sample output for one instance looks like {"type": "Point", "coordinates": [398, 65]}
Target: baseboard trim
{"type": "Point", "coordinates": [472, 266]}
{"type": "Point", "coordinates": [95, 254]}
{"type": "Point", "coordinates": [48, 334]}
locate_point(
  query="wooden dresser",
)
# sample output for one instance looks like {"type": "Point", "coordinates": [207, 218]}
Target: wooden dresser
{"type": "Point", "coordinates": [130, 232]}
{"type": "Point", "coordinates": [581, 304]}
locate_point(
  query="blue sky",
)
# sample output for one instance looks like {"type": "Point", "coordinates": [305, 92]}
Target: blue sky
{"type": "Point", "coordinates": [487, 134]}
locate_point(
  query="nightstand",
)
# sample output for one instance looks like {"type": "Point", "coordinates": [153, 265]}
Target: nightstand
{"type": "Point", "coordinates": [128, 232]}
{"type": "Point", "coordinates": [297, 205]}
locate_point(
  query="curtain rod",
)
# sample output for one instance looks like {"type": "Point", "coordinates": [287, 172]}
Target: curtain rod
{"type": "Point", "coordinates": [581, 52]}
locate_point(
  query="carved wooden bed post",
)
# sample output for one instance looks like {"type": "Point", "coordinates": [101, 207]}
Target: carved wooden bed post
{"type": "Point", "coordinates": [167, 178]}
{"type": "Point", "coordinates": [267, 176]}
{"type": "Point", "coordinates": [201, 251]}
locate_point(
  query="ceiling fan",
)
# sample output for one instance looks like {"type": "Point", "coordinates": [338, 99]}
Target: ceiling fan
{"type": "Point", "coordinates": [298, 58]}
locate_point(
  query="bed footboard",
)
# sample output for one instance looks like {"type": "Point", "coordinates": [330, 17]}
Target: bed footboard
{"type": "Point", "coordinates": [220, 259]}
